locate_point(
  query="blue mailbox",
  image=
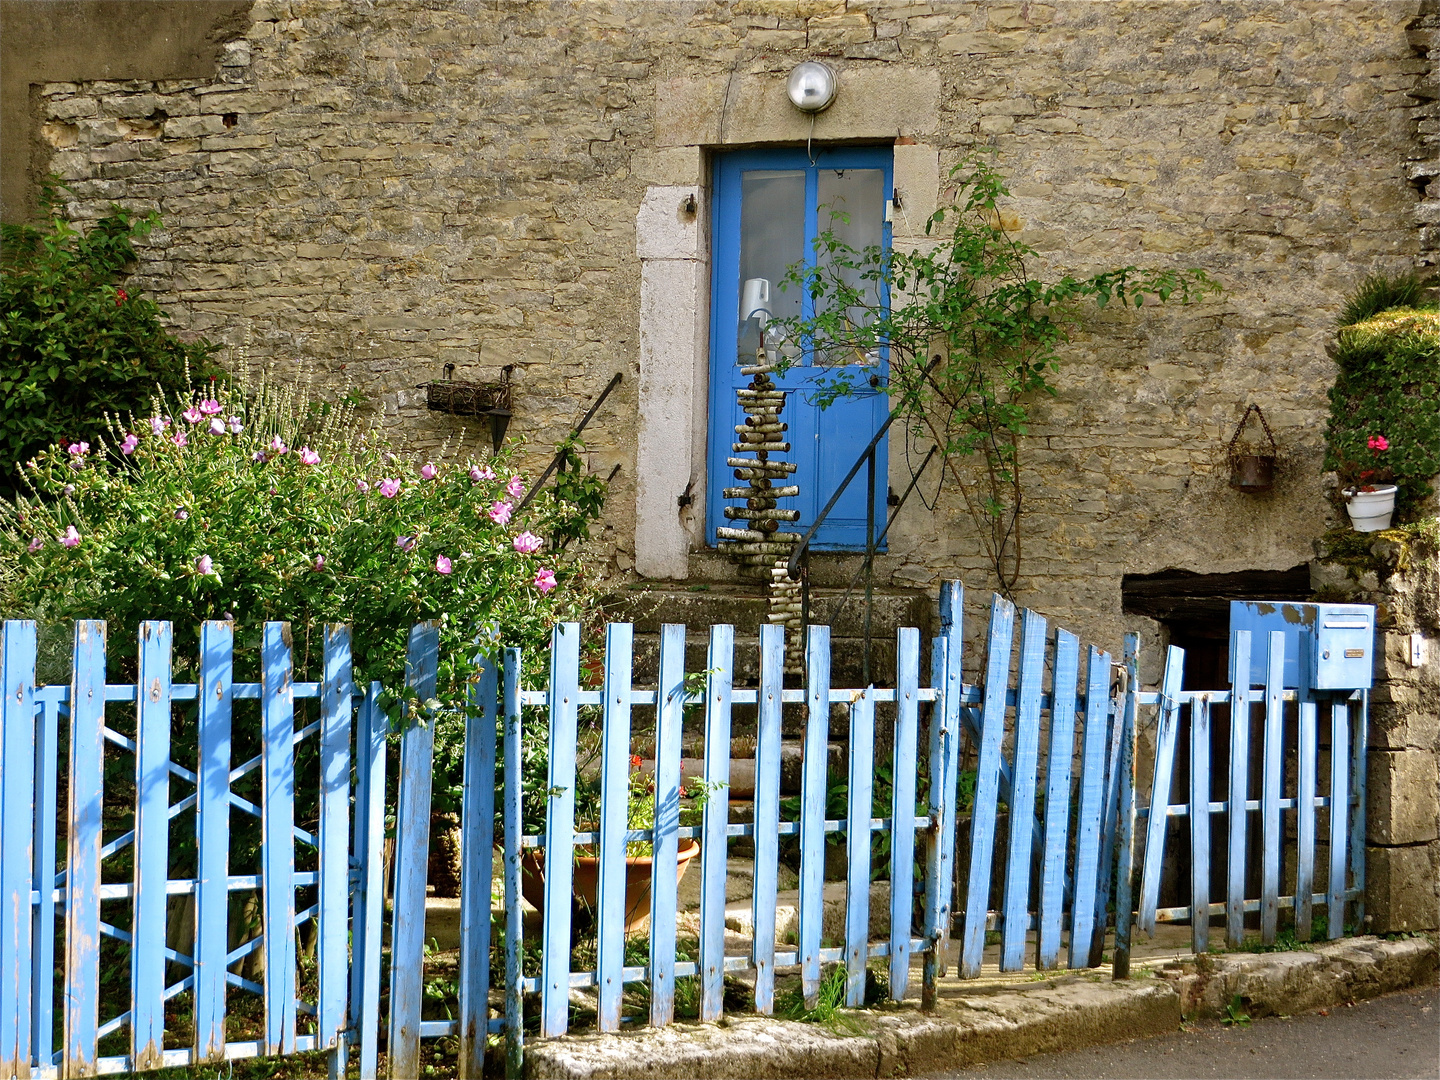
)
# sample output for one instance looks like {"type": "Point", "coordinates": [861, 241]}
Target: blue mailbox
{"type": "Point", "coordinates": [1334, 642]}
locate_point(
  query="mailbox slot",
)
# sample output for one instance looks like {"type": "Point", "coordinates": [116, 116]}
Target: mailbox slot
{"type": "Point", "coordinates": [1329, 646]}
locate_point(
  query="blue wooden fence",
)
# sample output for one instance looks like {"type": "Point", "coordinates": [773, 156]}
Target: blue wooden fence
{"type": "Point", "coordinates": [1059, 752]}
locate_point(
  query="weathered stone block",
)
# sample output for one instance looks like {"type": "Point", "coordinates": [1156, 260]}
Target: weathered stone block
{"type": "Point", "coordinates": [1403, 797]}
{"type": "Point", "coordinates": [1401, 888]}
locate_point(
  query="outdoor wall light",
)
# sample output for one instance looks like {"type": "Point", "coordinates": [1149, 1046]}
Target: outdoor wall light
{"type": "Point", "coordinates": [811, 86]}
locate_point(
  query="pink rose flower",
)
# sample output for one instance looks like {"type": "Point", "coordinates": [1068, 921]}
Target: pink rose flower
{"type": "Point", "coordinates": [128, 446]}
{"type": "Point", "coordinates": [182, 514]}
{"type": "Point", "coordinates": [216, 426]}
{"type": "Point", "coordinates": [442, 564]}
{"type": "Point", "coordinates": [361, 486]}
{"type": "Point", "coordinates": [79, 449]}
{"type": "Point", "coordinates": [308, 456]}
{"type": "Point", "coordinates": [210, 407]}
{"type": "Point", "coordinates": [259, 455]}
{"type": "Point", "coordinates": [71, 538]}
{"type": "Point", "coordinates": [478, 474]}
{"type": "Point", "coordinates": [389, 488]}
{"type": "Point", "coordinates": [35, 545]}
{"type": "Point", "coordinates": [500, 512]}
{"type": "Point", "coordinates": [428, 471]}
{"type": "Point", "coordinates": [527, 543]}
{"type": "Point", "coordinates": [179, 439]}
{"type": "Point", "coordinates": [319, 562]}
{"type": "Point", "coordinates": [204, 567]}
{"type": "Point", "coordinates": [236, 426]}
{"type": "Point", "coordinates": [405, 543]}
{"type": "Point", "coordinates": [192, 415]}
{"type": "Point", "coordinates": [69, 490]}
{"type": "Point", "coordinates": [515, 488]}
{"type": "Point", "coordinates": [277, 444]}
{"type": "Point", "coordinates": [545, 580]}
{"type": "Point", "coordinates": [158, 426]}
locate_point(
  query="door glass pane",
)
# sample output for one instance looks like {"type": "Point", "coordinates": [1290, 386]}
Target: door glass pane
{"type": "Point", "coordinates": [772, 237]}
{"type": "Point", "coordinates": [859, 196]}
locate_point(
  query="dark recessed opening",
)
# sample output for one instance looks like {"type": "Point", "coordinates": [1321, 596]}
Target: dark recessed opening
{"type": "Point", "coordinates": [230, 119]}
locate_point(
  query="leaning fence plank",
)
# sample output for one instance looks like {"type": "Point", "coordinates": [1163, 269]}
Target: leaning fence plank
{"type": "Point", "coordinates": [1305, 816]}
{"type": "Point", "coordinates": [1125, 815]}
{"type": "Point", "coordinates": [1016, 905]}
{"type": "Point", "coordinates": [332, 958]}
{"type": "Point", "coordinates": [559, 830]}
{"type": "Point", "coordinates": [43, 970]}
{"type": "Point", "coordinates": [212, 836]}
{"type": "Point", "coordinates": [669, 715]}
{"type": "Point", "coordinates": [477, 865]}
{"type": "Point", "coordinates": [1270, 784]}
{"type": "Point", "coordinates": [1339, 819]}
{"type": "Point", "coordinates": [277, 706]}
{"type": "Point", "coordinates": [1359, 743]}
{"type": "Point", "coordinates": [767, 813]}
{"type": "Point", "coordinates": [152, 846]}
{"type": "Point", "coordinates": [1091, 809]}
{"type": "Point", "coordinates": [860, 802]}
{"type": "Point", "coordinates": [1236, 816]}
{"type": "Point", "coordinates": [412, 853]}
{"type": "Point", "coordinates": [987, 784]}
{"type": "Point", "coordinates": [715, 818]}
{"type": "Point", "coordinates": [945, 657]}
{"type": "Point", "coordinates": [1109, 813]}
{"type": "Point", "coordinates": [902, 807]}
{"type": "Point", "coordinates": [370, 842]}
{"type": "Point", "coordinates": [514, 915]}
{"type": "Point", "coordinates": [1200, 824]}
{"type": "Point", "coordinates": [610, 901]}
{"type": "Point", "coordinates": [812, 810]}
{"type": "Point", "coordinates": [82, 851]}
{"type": "Point", "coordinates": [1166, 733]}
{"type": "Point", "coordinates": [1060, 759]}
{"type": "Point", "coordinates": [17, 836]}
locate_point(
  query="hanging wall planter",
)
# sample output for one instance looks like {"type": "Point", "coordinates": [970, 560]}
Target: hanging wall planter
{"type": "Point", "coordinates": [462, 398]}
{"type": "Point", "coordinates": [1252, 468]}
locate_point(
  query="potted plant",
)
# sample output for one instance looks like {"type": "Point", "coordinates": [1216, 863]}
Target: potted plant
{"type": "Point", "coordinates": [1369, 497]}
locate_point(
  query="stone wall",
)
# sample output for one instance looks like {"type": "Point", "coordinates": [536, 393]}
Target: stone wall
{"type": "Point", "coordinates": [380, 189]}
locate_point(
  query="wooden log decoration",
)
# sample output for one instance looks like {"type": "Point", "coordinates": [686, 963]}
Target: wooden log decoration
{"type": "Point", "coordinates": [762, 550]}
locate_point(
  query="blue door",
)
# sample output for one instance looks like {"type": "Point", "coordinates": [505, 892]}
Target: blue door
{"type": "Point", "coordinates": [769, 206]}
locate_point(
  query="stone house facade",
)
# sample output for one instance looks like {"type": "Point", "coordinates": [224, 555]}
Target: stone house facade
{"type": "Point", "coordinates": [379, 189]}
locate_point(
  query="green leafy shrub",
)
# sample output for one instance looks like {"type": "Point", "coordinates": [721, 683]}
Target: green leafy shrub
{"type": "Point", "coordinates": [1387, 388]}
{"type": "Point", "coordinates": [270, 506]}
{"type": "Point", "coordinates": [74, 345]}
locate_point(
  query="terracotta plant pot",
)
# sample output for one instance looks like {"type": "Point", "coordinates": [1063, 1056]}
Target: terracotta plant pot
{"type": "Point", "coordinates": [1370, 511]}
{"type": "Point", "coordinates": [586, 874]}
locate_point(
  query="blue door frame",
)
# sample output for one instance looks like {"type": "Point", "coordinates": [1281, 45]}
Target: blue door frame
{"type": "Point", "coordinates": [824, 443]}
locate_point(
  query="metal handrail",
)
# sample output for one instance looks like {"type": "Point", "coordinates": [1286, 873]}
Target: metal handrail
{"type": "Point", "coordinates": [560, 454]}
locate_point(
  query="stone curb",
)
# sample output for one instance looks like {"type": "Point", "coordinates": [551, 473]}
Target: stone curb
{"type": "Point", "coordinates": [1062, 1012]}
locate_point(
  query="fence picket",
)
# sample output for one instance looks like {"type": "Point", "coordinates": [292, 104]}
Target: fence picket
{"type": "Point", "coordinates": [987, 784]}
{"type": "Point", "coordinates": [412, 855]}
{"type": "Point", "coordinates": [859, 798]}
{"type": "Point", "coordinates": [477, 866]}
{"type": "Point", "coordinates": [43, 971]}
{"type": "Point", "coordinates": [1094, 740]}
{"type": "Point", "coordinates": [1305, 817]}
{"type": "Point", "coordinates": [945, 656]}
{"type": "Point", "coordinates": [1110, 808]}
{"type": "Point", "coordinates": [767, 813]}
{"type": "Point", "coordinates": [1016, 907]}
{"type": "Point", "coordinates": [1125, 812]}
{"type": "Point", "coordinates": [902, 807]}
{"type": "Point", "coordinates": [1270, 788]}
{"type": "Point", "coordinates": [374, 725]}
{"type": "Point", "coordinates": [669, 717]}
{"type": "Point", "coordinates": [714, 821]}
{"type": "Point", "coordinates": [1239, 794]}
{"type": "Point", "coordinates": [277, 705]}
{"type": "Point", "coordinates": [812, 810]}
{"type": "Point", "coordinates": [1063, 698]}
{"type": "Point", "coordinates": [1339, 819]}
{"type": "Point", "coordinates": [559, 830]}
{"type": "Point", "coordinates": [332, 958]}
{"type": "Point", "coordinates": [152, 847]}
{"type": "Point", "coordinates": [86, 781]}
{"type": "Point", "coordinates": [611, 902]}
{"type": "Point", "coordinates": [1200, 824]}
{"type": "Point", "coordinates": [212, 836]}
{"type": "Point", "coordinates": [514, 914]}
{"type": "Point", "coordinates": [17, 817]}
{"type": "Point", "coordinates": [1166, 732]}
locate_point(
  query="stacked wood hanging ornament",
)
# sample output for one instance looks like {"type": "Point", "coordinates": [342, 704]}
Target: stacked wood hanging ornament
{"type": "Point", "coordinates": [762, 548]}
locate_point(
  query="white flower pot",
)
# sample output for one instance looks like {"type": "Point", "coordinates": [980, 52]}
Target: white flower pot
{"type": "Point", "coordinates": [1370, 511]}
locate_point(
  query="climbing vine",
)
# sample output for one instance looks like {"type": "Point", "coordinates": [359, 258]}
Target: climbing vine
{"type": "Point", "coordinates": [970, 336]}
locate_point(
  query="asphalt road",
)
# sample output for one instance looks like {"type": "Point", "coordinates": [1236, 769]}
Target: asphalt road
{"type": "Point", "coordinates": [1394, 1036]}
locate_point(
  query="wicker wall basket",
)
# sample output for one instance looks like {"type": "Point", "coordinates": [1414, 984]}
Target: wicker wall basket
{"type": "Point", "coordinates": [462, 398]}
